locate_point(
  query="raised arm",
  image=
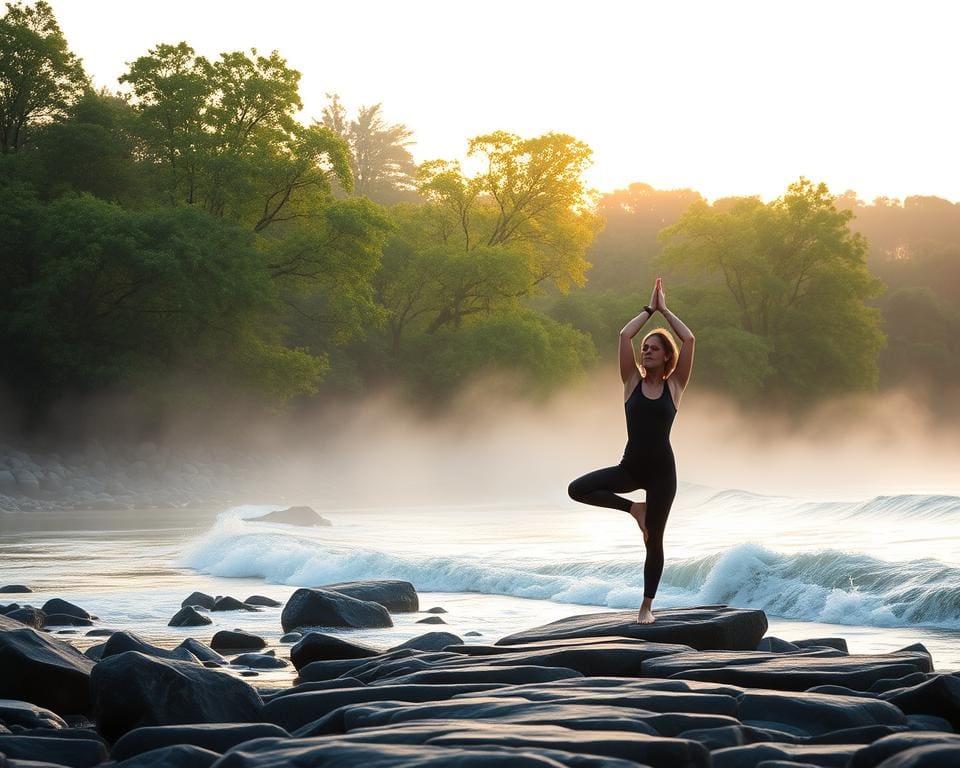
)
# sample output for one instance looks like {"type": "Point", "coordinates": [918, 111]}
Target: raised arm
{"type": "Point", "coordinates": [628, 362]}
{"type": "Point", "coordinates": [687, 341]}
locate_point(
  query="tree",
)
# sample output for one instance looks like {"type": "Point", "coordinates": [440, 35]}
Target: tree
{"type": "Point", "coordinates": [382, 166]}
{"type": "Point", "coordinates": [39, 77]}
{"type": "Point", "coordinates": [791, 278]}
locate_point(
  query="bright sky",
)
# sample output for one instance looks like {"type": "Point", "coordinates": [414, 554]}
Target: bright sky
{"type": "Point", "coordinates": [727, 97]}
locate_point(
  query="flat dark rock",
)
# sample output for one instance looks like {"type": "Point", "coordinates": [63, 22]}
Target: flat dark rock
{"type": "Point", "coordinates": [121, 642]}
{"type": "Point", "coordinates": [132, 690]}
{"type": "Point", "coordinates": [431, 620]}
{"type": "Point", "coordinates": [752, 755]}
{"type": "Point", "coordinates": [176, 756]}
{"type": "Point", "coordinates": [66, 620]}
{"type": "Point", "coordinates": [429, 641]}
{"type": "Point", "coordinates": [260, 661]}
{"type": "Point", "coordinates": [76, 753]}
{"type": "Point", "coordinates": [217, 737]}
{"type": "Point", "coordinates": [292, 516]}
{"type": "Point", "coordinates": [100, 632]}
{"type": "Point", "coordinates": [316, 646]}
{"type": "Point", "coordinates": [267, 602]}
{"type": "Point", "coordinates": [703, 628]}
{"type": "Point", "coordinates": [395, 595]}
{"type": "Point", "coordinates": [889, 747]}
{"type": "Point", "coordinates": [236, 640]}
{"type": "Point", "coordinates": [607, 659]}
{"type": "Point", "coordinates": [485, 674]}
{"type": "Point", "coordinates": [56, 605]}
{"type": "Point", "coordinates": [939, 696]}
{"type": "Point", "coordinates": [28, 715]}
{"type": "Point", "coordinates": [189, 617]}
{"type": "Point", "coordinates": [16, 589]}
{"type": "Point", "coordinates": [789, 671]}
{"type": "Point", "coordinates": [324, 608]}
{"type": "Point", "coordinates": [43, 671]}
{"type": "Point", "coordinates": [228, 603]}
{"type": "Point", "coordinates": [296, 710]}
{"type": "Point", "coordinates": [814, 713]}
{"type": "Point", "coordinates": [200, 599]}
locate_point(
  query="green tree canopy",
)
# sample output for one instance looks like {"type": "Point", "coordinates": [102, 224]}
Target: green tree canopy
{"type": "Point", "coordinates": [790, 277]}
{"type": "Point", "coordinates": [39, 77]}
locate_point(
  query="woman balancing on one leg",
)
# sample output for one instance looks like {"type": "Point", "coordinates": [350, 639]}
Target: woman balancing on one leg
{"type": "Point", "coordinates": [651, 394]}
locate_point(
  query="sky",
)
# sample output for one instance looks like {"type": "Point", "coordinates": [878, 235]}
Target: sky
{"type": "Point", "coordinates": [728, 98]}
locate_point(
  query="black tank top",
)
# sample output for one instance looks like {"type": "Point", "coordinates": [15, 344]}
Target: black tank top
{"type": "Point", "coordinates": [648, 426]}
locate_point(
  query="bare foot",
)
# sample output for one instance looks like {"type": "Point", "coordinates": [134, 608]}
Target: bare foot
{"type": "Point", "coordinates": [638, 511]}
{"type": "Point", "coordinates": [646, 616]}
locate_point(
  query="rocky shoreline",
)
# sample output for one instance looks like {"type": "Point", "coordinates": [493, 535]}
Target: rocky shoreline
{"type": "Point", "coordinates": [704, 687]}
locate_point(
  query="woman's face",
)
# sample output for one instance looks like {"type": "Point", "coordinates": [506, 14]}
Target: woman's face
{"type": "Point", "coordinates": [653, 353]}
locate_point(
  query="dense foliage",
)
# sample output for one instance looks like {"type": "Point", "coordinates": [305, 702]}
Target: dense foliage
{"type": "Point", "coordinates": [189, 235]}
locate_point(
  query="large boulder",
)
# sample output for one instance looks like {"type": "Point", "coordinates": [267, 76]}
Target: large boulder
{"type": "Point", "coordinates": [43, 671]}
{"type": "Point", "coordinates": [908, 745]}
{"type": "Point", "coordinates": [28, 715]}
{"type": "Point", "coordinates": [132, 690]}
{"type": "Point", "coordinates": [324, 608]}
{"type": "Point", "coordinates": [315, 646]}
{"type": "Point", "coordinates": [236, 640]}
{"type": "Point", "coordinates": [393, 594]}
{"type": "Point", "coordinates": [711, 627]}
{"type": "Point", "coordinates": [175, 756]}
{"type": "Point", "coordinates": [939, 695]}
{"type": "Point", "coordinates": [199, 599]}
{"type": "Point", "coordinates": [66, 620]}
{"type": "Point", "coordinates": [429, 641]}
{"type": "Point", "coordinates": [292, 516]}
{"type": "Point", "coordinates": [201, 651]}
{"type": "Point", "coordinates": [812, 714]}
{"type": "Point", "coordinates": [32, 617]}
{"type": "Point", "coordinates": [56, 605]}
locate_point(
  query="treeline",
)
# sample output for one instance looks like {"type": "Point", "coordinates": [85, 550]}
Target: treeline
{"type": "Point", "coordinates": [191, 242]}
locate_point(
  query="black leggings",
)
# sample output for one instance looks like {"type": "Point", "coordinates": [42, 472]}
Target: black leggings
{"type": "Point", "coordinates": [600, 488]}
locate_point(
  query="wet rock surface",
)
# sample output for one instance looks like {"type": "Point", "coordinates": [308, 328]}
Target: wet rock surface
{"type": "Point", "coordinates": [586, 691]}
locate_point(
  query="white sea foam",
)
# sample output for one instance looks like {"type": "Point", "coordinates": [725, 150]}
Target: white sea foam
{"type": "Point", "coordinates": [815, 584]}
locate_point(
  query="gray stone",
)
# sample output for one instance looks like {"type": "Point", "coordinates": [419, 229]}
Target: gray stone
{"type": "Point", "coordinates": [316, 646]}
{"type": "Point", "coordinates": [812, 713]}
{"type": "Point", "coordinates": [887, 748]}
{"type": "Point", "coordinates": [121, 642]}
{"type": "Point", "coordinates": [226, 640]}
{"type": "Point", "coordinates": [176, 756]}
{"type": "Point", "coordinates": [703, 628]}
{"type": "Point", "coordinates": [437, 609]}
{"type": "Point", "coordinates": [260, 661]}
{"type": "Point", "coordinates": [202, 651]}
{"type": "Point", "coordinates": [323, 608]}
{"type": "Point", "coordinates": [56, 605]}
{"type": "Point", "coordinates": [132, 690]}
{"type": "Point", "coordinates": [938, 696]}
{"type": "Point", "coordinates": [753, 755]}
{"type": "Point", "coordinates": [28, 715]}
{"type": "Point", "coordinates": [430, 641]}
{"type": "Point", "coordinates": [189, 617]}
{"type": "Point", "coordinates": [199, 599]}
{"type": "Point", "coordinates": [837, 643]}
{"type": "Point", "coordinates": [268, 602]}
{"type": "Point", "coordinates": [431, 620]}
{"type": "Point", "coordinates": [485, 674]}
{"type": "Point", "coordinates": [65, 620]}
{"type": "Point", "coordinates": [43, 671]}
{"type": "Point", "coordinates": [230, 604]}
{"type": "Point", "coordinates": [29, 616]}
{"type": "Point", "coordinates": [217, 737]}
{"type": "Point", "coordinates": [395, 595]}
{"type": "Point", "coordinates": [76, 753]}
{"type": "Point", "coordinates": [17, 589]}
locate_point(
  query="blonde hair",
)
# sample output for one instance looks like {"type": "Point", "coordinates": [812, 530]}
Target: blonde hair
{"type": "Point", "coordinates": [669, 344]}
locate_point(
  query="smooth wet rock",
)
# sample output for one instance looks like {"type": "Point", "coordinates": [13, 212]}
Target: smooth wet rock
{"type": "Point", "coordinates": [812, 714]}
{"type": "Point", "coordinates": [938, 696]}
{"type": "Point", "coordinates": [202, 651]}
{"type": "Point", "coordinates": [261, 600]}
{"type": "Point", "coordinates": [175, 756]}
{"type": "Point", "coordinates": [217, 737]}
{"type": "Point", "coordinates": [100, 632]}
{"type": "Point", "coordinates": [430, 641]}
{"type": "Point", "coordinates": [94, 652]}
{"type": "Point", "coordinates": [301, 515]}
{"type": "Point", "coordinates": [473, 633]}
{"type": "Point", "coordinates": [838, 643]}
{"type": "Point", "coordinates": [228, 603]}
{"type": "Point", "coordinates": [316, 646]}
{"type": "Point", "coordinates": [437, 609]}
{"type": "Point", "coordinates": [132, 690]}
{"type": "Point", "coordinates": [294, 711]}
{"type": "Point", "coordinates": [121, 642]}
{"type": "Point", "coordinates": [704, 628]}
{"type": "Point", "coordinates": [889, 747]}
{"type": "Point", "coordinates": [56, 605]}
{"type": "Point", "coordinates": [43, 671]}
{"type": "Point", "coordinates": [200, 599]}
{"type": "Point", "coordinates": [260, 661]}
{"type": "Point", "coordinates": [189, 617]}
{"type": "Point", "coordinates": [786, 671]}
{"type": "Point", "coordinates": [29, 616]}
{"type": "Point", "coordinates": [291, 637]}
{"type": "Point", "coordinates": [755, 755]}
{"type": "Point", "coordinates": [23, 713]}
{"type": "Point", "coordinates": [324, 608]}
{"type": "Point", "coordinates": [76, 753]}
{"type": "Point", "coordinates": [235, 640]}
{"type": "Point", "coordinates": [15, 589]}
{"type": "Point", "coordinates": [776, 645]}
{"type": "Point", "coordinates": [431, 620]}
{"type": "Point", "coordinates": [888, 683]}
{"type": "Point", "coordinates": [512, 675]}
{"type": "Point", "coordinates": [395, 595]}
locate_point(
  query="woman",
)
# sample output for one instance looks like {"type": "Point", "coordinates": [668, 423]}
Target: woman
{"type": "Point", "coordinates": [651, 395]}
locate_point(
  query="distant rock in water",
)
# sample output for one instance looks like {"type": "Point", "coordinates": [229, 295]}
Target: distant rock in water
{"type": "Point", "coordinates": [189, 617]}
{"type": "Point", "coordinates": [323, 608]}
{"type": "Point", "coordinates": [16, 589]}
{"type": "Point", "coordinates": [261, 600]}
{"type": "Point", "coordinates": [200, 599]}
{"type": "Point", "coordinates": [293, 516]}
{"type": "Point", "coordinates": [230, 604]}
{"type": "Point", "coordinates": [56, 605]}
{"type": "Point", "coordinates": [431, 620]}
{"type": "Point", "coordinates": [395, 595]}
